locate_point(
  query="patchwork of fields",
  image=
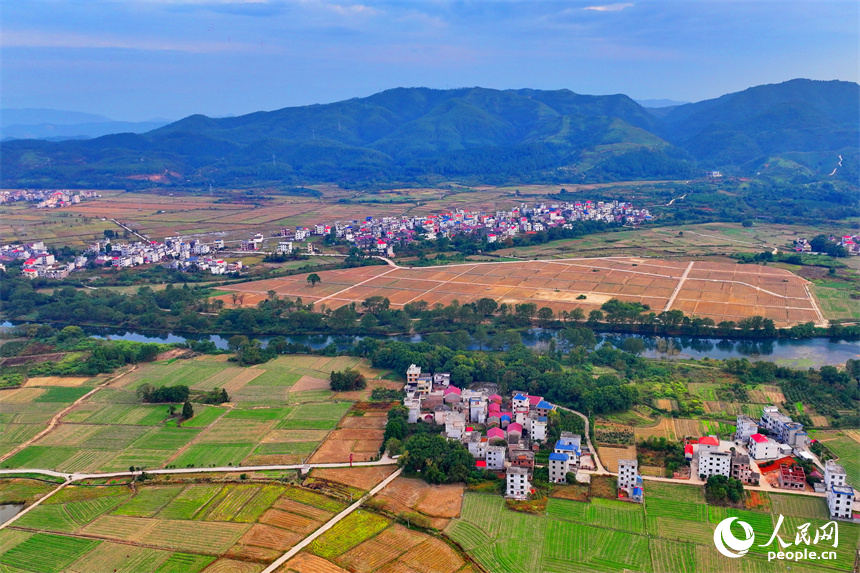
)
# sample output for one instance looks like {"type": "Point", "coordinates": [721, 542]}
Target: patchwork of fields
{"type": "Point", "coordinates": [721, 291]}
{"type": "Point", "coordinates": [210, 527]}
{"type": "Point", "coordinates": [280, 412]}
{"type": "Point", "coordinates": [671, 533]}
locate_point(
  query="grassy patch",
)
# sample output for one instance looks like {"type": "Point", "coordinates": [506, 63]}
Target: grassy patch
{"type": "Point", "coordinates": [47, 553]}
{"type": "Point", "coordinates": [347, 533]}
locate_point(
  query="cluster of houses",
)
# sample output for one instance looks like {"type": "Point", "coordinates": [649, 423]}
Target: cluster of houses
{"type": "Point", "coordinates": [515, 429]}
{"type": "Point", "coordinates": [48, 198]}
{"type": "Point", "coordinates": [38, 262]}
{"type": "Point", "coordinates": [850, 242]}
{"type": "Point", "coordinates": [182, 254]}
{"type": "Point", "coordinates": [380, 234]}
{"type": "Point", "coordinates": [784, 438]}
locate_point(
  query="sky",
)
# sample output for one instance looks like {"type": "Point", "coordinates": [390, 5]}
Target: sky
{"type": "Point", "coordinates": [137, 60]}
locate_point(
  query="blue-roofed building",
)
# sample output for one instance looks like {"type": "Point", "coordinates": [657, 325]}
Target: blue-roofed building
{"type": "Point", "coordinates": [543, 408]}
{"type": "Point", "coordinates": [559, 466]}
{"type": "Point", "coordinates": [637, 494]}
{"type": "Point", "coordinates": [840, 499]}
{"type": "Point", "coordinates": [520, 401]}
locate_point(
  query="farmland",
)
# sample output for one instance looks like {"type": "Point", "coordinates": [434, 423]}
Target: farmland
{"type": "Point", "coordinates": [672, 533]}
{"type": "Point", "coordinates": [183, 528]}
{"type": "Point", "coordinates": [163, 215]}
{"type": "Point", "coordinates": [268, 421]}
{"type": "Point", "coordinates": [720, 291]}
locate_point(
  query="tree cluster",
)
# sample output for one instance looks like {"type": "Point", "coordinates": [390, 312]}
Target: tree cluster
{"type": "Point", "coordinates": [347, 380]}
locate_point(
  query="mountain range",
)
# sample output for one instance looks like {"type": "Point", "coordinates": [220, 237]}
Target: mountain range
{"type": "Point", "coordinates": [58, 125]}
{"type": "Point", "coordinates": [421, 134]}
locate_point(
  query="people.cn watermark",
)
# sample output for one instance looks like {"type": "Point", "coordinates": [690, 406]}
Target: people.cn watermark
{"type": "Point", "coordinates": [731, 546]}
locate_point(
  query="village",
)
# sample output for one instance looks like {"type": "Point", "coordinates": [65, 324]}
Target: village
{"type": "Point", "coordinates": [380, 234]}
{"type": "Point", "coordinates": [39, 262]}
{"type": "Point", "coordinates": [47, 198]}
{"type": "Point", "coordinates": [503, 434]}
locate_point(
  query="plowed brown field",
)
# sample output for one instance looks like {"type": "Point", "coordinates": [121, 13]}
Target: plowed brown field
{"type": "Point", "coordinates": [721, 291]}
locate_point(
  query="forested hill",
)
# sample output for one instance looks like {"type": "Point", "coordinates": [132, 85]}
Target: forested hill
{"type": "Point", "coordinates": [419, 134]}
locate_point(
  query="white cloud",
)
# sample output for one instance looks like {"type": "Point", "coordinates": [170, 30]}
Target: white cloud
{"type": "Point", "coordinates": [37, 39]}
{"type": "Point", "coordinates": [609, 7]}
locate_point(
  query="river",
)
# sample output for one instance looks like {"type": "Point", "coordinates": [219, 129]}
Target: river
{"type": "Point", "coordinates": [797, 353]}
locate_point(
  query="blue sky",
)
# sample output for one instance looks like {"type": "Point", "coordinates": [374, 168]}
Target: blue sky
{"type": "Point", "coordinates": [135, 60]}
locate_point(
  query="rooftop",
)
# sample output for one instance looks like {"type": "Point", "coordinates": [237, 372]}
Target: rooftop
{"type": "Point", "coordinates": [758, 438]}
{"type": "Point", "coordinates": [558, 457]}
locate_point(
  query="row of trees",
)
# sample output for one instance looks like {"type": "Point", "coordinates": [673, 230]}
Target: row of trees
{"type": "Point", "coordinates": [191, 310]}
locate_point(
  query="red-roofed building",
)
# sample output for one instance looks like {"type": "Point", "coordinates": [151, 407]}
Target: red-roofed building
{"type": "Point", "coordinates": [758, 438]}
{"type": "Point", "coordinates": [481, 464]}
{"type": "Point", "coordinates": [688, 452]}
{"type": "Point", "coordinates": [710, 441]}
{"type": "Point", "coordinates": [496, 399]}
{"type": "Point", "coordinates": [534, 401]}
{"type": "Point", "coordinates": [495, 434]}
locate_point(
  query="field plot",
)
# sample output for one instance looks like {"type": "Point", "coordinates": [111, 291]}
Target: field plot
{"type": "Point", "coordinates": [440, 503]}
{"type": "Point", "coordinates": [843, 445]}
{"type": "Point", "coordinates": [609, 535]}
{"type": "Point", "coordinates": [347, 533]}
{"type": "Point", "coordinates": [610, 455]}
{"type": "Point", "coordinates": [721, 291]}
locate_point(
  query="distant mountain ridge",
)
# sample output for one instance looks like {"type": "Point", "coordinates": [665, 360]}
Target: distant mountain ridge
{"type": "Point", "coordinates": [409, 134]}
{"type": "Point", "coordinates": [58, 125]}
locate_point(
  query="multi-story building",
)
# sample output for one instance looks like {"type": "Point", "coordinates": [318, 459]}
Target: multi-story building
{"type": "Point", "coordinates": [496, 457]}
{"type": "Point", "coordinates": [713, 462]}
{"type": "Point", "coordinates": [840, 499]}
{"type": "Point", "coordinates": [629, 479]}
{"type": "Point", "coordinates": [517, 483]}
{"type": "Point", "coordinates": [559, 466]}
{"type": "Point", "coordinates": [784, 428]}
{"type": "Point", "coordinates": [746, 427]}
{"type": "Point", "coordinates": [792, 477]}
{"type": "Point", "coordinates": [763, 448]}
{"type": "Point", "coordinates": [742, 470]}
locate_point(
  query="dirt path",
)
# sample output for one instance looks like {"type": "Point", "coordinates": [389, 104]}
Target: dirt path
{"type": "Point", "coordinates": [56, 419]}
{"type": "Point", "coordinates": [328, 525]}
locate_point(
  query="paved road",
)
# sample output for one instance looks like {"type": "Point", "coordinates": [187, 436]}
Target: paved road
{"type": "Point", "coordinates": [328, 525]}
{"type": "Point", "coordinates": [304, 468]}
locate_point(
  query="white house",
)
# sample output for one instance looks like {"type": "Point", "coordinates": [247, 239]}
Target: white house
{"type": "Point", "coordinates": [834, 474]}
{"type": "Point", "coordinates": [455, 425]}
{"type": "Point", "coordinates": [712, 462]}
{"type": "Point", "coordinates": [746, 427]}
{"type": "Point", "coordinates": [496, 457]}
{"type": "Point", "coordinates": [559, 466]}
{"type": "Point", "coordinates": [783, 427]}
{"type": "Point", "coordinates": [537, 428]}
{"type": "Point", "coordinates": [763, 448]}
{"type": "Point", "coordinates": [840, 498]}
{"type": "Point", "coordinates": [518, 485]}
{"type": "Point", "coordinates": [628, 471]}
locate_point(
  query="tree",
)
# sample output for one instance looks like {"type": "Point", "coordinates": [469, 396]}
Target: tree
{"type": "Point", "coordinates": [633, 345]}
{"type": "Point", "coordinates": [187, 410]}
{"type": "Point", "coordinates": [314, 278]}
{"type": "Point", "coordinates": [347, 381]}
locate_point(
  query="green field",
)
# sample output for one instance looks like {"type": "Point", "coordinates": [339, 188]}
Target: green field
{"type": "Point", "coordinates": [166, 528]}
{"type": "Point", "coordinates": [846, 448]}
{"type": "Point", "coordinates": [671, 533]}
{"type": "Point", "coordinates": [44, 553]}
{"type": "Point", "coordinates": [356, 527]}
